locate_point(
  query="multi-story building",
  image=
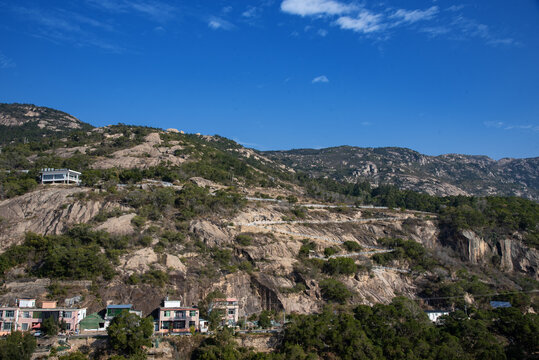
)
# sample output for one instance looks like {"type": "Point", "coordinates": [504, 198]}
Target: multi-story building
{"type": "Point", "coordinates": [176, 319]}
{"type": "Point", "coordinates": [230, 308]}
{"type": "Point", "coordinates": [26, 316]}
{"type": "Point", "coordinates": [59, 176]}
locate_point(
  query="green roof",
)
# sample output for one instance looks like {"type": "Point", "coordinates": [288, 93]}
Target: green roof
{"type": "Point", "coordinates": [91, 322]}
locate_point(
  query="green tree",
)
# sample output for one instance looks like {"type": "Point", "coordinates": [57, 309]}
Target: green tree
{"type": "Point", "coordinates": [74, 356]}
{"type": "Point", "coordinates": [264, 320]}
{"type": "Point", "coordinates": [50, 326]}
{"type": "Point", "coordinates": [17, 345]}
{"type": "Point", "coordinates": [128, 333]}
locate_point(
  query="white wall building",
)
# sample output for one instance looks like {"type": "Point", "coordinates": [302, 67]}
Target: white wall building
{"type": "Point", "coordinates": [59, 176]}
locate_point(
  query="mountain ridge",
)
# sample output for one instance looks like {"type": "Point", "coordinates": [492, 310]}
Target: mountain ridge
{"type": "Point", "coordinates": [446, 174]}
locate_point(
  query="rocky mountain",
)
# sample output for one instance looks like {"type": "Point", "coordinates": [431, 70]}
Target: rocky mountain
{"type": "Point", "coordinates": [26, 122]}
{"type": "Point", "coordinates": [161, 213]}
{"type": "Point", "coordinates": [449, 174]}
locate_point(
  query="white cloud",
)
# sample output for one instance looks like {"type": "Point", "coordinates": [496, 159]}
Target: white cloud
{"type": "Point", "coordinates": [504, 126]}
{"type": "Point", "coordinates": [316, 7]}
{"type": "Point", "coordinates": [5, 62]}
{"type": "Point", "coordinates": [218, 23]}
{"type": "Point", "coordinates": [154, 9]}
{"type": "Point", "coordinates": [456, 7]}
{"type": "Point", "coordinates": [413, 16]}
{"type": "Point", "coordinates": [320, 79]}
{"type": "Point", "coordinates": [470, 28]}
{"type": "Point", "coordinates": [251, 12]}
{"type": "Point", "coordinates": [366, 22]}
{"type": "Point", "coordinates": [322, 32]}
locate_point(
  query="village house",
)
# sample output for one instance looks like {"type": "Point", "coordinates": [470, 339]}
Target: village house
{"type": "Point", "coordinates": [434, 315]}
{"type": "Point", "coordinates": [230, 309]}
{"type": "Point", "coordinates": [177, 319]}
{"type": "Point", "coordinates": [59, 176]}
{"type": "Point", "coordinates": [26, 316]}
{"type": "Point", "coordinates": [114, 310]}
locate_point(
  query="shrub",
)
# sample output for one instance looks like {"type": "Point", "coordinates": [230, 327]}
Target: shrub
{"type": "Point", "coordinates": [330, 251]}
{"type": "Point", "coordinates": [341, 265]}
{"type": "Point", "coordinates": [244, 239]}
{"type": "Point", "coordinates": [333, 290]}
{"type": "Point", "coordinates": [352, 246]}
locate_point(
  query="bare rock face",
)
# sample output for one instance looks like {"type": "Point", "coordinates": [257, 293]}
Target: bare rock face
{"type": "Point", "coordinates": [473, 248]}
{"type": "Point", "coordinates": [517, 257]}
{"type": "Point", "coordinates": [143, 156]}
{"type": "Point", "coordinates": [48, 210]}
{"type": "Point", "coordinates": [174, 263]}
{"type": "Point", "coordinates": [139, 261]}
{"type": "Point", "coordinates": [209, 233]}
{"type": "Point", "coordinates": [119, 225]}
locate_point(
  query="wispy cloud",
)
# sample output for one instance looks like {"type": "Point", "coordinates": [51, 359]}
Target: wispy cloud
{"type": "Point", "coordinates": [320, 79]}
{"type": "Point", "coordinates": [217, 23]}
{"type": "Point", "coordinates": [5, 62]}
{"type": "Point", "coordinates": [503, 126]}
{"type": "Point", "coordinates": [322, 32]}
{"type": "Point", "coordinates": [153, 9]}
{"type": "Point", "coordinates": [469, 28]}
{"type": "Point", "coordinates": [366, 22]}
{"type": "Point", "coordinates": [251, 12]}
{"type": "Point", "coordinates": [316, 7]}
{"type": "Point", "coordinates": [61, 26]}
{"type": "Point", "coordinates": [456, 8]}
{"type": "Point", "coordinates": [413, 16]}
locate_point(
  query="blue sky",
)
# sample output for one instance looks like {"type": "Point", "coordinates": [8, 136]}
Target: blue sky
{"type": "Point", "coordinates": [435, 76]}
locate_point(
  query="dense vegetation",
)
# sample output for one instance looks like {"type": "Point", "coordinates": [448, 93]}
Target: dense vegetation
{"type": "Point", "coordinates": [17, 345]}
{"type": "Point", "coordinates": [128, 334]}
{"type": "Point", "coordinates": [405, 250]}
{"type": "Point", "coordinates": [400, 330]}
{"type": "Point", "coordinates": [74, 255]}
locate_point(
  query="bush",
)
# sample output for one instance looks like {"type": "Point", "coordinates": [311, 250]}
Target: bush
{"type": "Point", "coordinates": [352, 246]}
{"type": "Point", "coordinates": [244, 239]}
{"type": "Point", "coordinates": [336, 291]}
{"type": "Point", "coordinates": [330, 251]}
{"type": "Point", "coordinates": [340, 266]}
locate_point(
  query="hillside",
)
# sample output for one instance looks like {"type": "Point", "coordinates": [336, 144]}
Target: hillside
{"type": "Point", "coordinates": [450, 174]}
{"type": "Point", "coordinates": [26, 122]}
{"type": "Point", "coordinates": [162, 213]}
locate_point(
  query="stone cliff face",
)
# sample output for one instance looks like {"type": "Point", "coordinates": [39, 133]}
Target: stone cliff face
{"type": "Point", "coordinates": [49, 210]}
{"type": "Point", "coordinates": [513, 254]}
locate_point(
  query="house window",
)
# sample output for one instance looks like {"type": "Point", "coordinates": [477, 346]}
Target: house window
{"type": "Point", "coordinates": [179, 324]}
{"type": "Point", "coordinates": [24, 326]}
{"type": "Point", "coordinates": [167, 313]}
{"type": "Point", "coordinates": [231, 312]}
{"type": "Point", "coordinates": [165, 325]}
{"type": "Point", "coordinates": [26, 314]}
{"type": "Point", "coordinates": [1, 313]}
{"type": "Point", "coordinates": [192, 324]}
{"type": "Point", "coordinates": [193, 313]}
{"type": "Point", "coordinates": [36, 315]}
{"type": "Point", "coordinates": [7, 326]}
{"type": "Point", "coordinates": [66, 314]}
{"type": "Point", "coordinates": [10, 313]}
{"type": "Point", "coordinates": [180, 314]}
{"type": "Point", "coordinates": [68, 326]}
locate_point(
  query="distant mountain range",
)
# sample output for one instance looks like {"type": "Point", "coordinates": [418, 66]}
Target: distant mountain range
{"type": "Point", "coordinates": [450, 174]}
